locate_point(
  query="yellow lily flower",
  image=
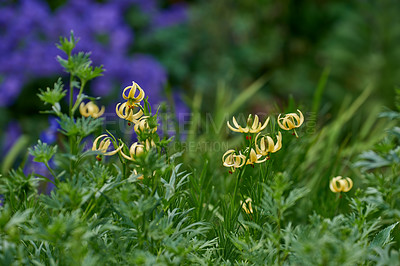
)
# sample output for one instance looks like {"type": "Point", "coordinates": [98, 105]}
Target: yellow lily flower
{"type": "Point", "coordinates": [91, 109]}
{"type": "Point", "coordinates": [104, 144]}
{"type": "Point", "coordinates": [127, 113]}
{"type": "Point", "coordinates": [267, 144]}
{"type": "Point", "coordinates": [246, 206]}
{"type": "Point", "coordinates": [345, 184]}
{"type": "Point", "coordinates": [135, 150]}
{"type": "Point", "coordinates": [132, 99]}
{"type": "Point", "coordinates": [143, 125]}
{"type": "Point", "coordinates": [253, 126]}
{"type": "Point", "coordinates": [291, 120]}
{"type": "Point", "coordinates": [232, 160]}
{"type": "Point", "coordinates": [255, 157]}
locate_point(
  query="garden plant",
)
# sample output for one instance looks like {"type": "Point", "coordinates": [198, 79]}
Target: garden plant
{"type": "Point", "coordinates": [228, 189]}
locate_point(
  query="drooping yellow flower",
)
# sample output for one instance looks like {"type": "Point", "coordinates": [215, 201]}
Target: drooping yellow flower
{"type": "Point", "coordinates": [143, 125]}
{"type": "Point", "coordinates": [340, 184]}
{"type": "Point", "coordinates": [133, 100]}
{"type": "Point", "coordinates": [291, 120]}
{"type": "Point", "coordinates": [255, 157]}
{"type": "Point", "coordinates": [232, 160]}
{"type": "Point", "coordinates": [253, 126]}
{"type": "Point", "coordinates": [267, 145]}
{"type": "Point", "coordinates": [91, 109]}
{"type": "Point", "coordinates": [135, 150]}
{"type": "Point", "coordinates": [246, 206]}
{"type": "Point", "coordinates": [128, 113]}
{"type": "Point", "coordinates": [104, 144]}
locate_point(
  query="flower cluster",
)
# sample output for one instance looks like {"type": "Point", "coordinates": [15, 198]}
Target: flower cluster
{"type": "Point", "coordinates": [260, 147]}
{"type": "Point", "coordinates": [145, 126]}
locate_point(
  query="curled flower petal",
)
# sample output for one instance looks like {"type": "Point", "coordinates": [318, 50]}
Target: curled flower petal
{"type": "Point", "coordinates": [91, 109]}
{"type": "Point", "coordinates": [344, 184]}
{"type": "Point", "coordinates": [246, 206]}
{"type": "Point", "coordinates": [255, 157]}
{"type": "Point", "coordinates": [266, 144]}
{"type": "Point", "coordinates": [143, 125]}
{"type": "Point", "coordinates": [135, 150]}
{"type": "Point", "coordinates": [104, 145]}
{"type": "Point", "coordinates": [253, 126]}
{"type": "Point", "coordinates": [291, 120]}
{"type": "Point", "coordinates": [231, 159]}
{"type": "Point", "coordinates": [132, 99]}
{"type": "Point", "coordinates": [125, 112]}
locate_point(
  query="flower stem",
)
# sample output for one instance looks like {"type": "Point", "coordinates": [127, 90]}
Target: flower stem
{"type": "Point", "coordinates": [242, 170]}
{"type": "Point", "coordinates": [77, 102]}
{"type": "Point", "coordinates": [52, 173]}
{"type": "Point", "coordinates": [71, 94]}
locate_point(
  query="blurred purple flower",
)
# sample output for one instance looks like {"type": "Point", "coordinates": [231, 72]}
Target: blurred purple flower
{"type": "Point", "coordinates": [40, 169]}
{"type": "Point", "coordinates": [10, 88]}
{"type": "Point", "coordinates": [50, 134]}
{"type": "Point", "coordinates": [30, 30]}
{"type": "Point", "coordinates": [150, 75]}
{"type": "Point", "coordinates": [12, 133]}
{"type": "Point", "coordinates": [174, 15]}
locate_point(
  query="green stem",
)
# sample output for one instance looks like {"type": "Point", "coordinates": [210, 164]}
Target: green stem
{"type": "Point", "coordinates": [77, 102]}
{"type": "Point", "coordinates": [279, 237]}
{"type": "Point", "coordinates": [71, 94]}
{"type": "Point", "coordinates": [338, 200]}
{"type": "Point", "coordinates": [242, 170]}
{"type": "Point", "coordinates": [124, 170]}
{"type": "Point", "coordinates": [52, 173]}
{"type": "Point", "coordinates": [154, 187]}
{"type": "Point", "coordinates": [72, 152]}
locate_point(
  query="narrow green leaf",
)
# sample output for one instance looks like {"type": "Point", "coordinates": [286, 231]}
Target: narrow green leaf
{"type": "Point", "coordinates": [383, 237]}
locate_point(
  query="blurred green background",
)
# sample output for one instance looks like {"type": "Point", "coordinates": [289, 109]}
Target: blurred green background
{"type": "Point", "coordinates": [293, 42]}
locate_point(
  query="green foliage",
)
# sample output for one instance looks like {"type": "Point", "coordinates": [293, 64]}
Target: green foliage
{"type": "Point", "coordinates": [82, 126]}
{"type": "Point", "coordinates": [53, 96]}
{"type": "Point", "coordinates": [18, 189]}
{"type": "Point", "coordinates": [383, 237]}
{"type": "Point", "coordinates": [67, 45]}
{"type": "Point", "coordinates": [168, 203]}
{"type": "Point", "coordinates": [80, 65]}
{"type": "Point", "coordinates": [42, 152]}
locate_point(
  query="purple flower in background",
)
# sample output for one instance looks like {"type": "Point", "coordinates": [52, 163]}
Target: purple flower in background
{"type": "Point", "coordinates": [37, 169]}
{"type": "Point", "coordinates": [150, 75]}
{"type": "Point", "coordinates": [176, 14]}
{"type": "Point", "coordinates": [30, 30]}
{"type": "Point", "coordinates": [174, 120]}
{"type": "Point", "coordinates": [10, 87]}
{"type": "Point", "coordinates": [12, 133]}
{"type": "Point", "coordinates": [50, 134]}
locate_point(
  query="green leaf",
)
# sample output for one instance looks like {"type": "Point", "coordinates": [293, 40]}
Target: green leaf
{"type": "Point", "coordinates": [371, 160]}
{"type": "Point", "coordinates": [80, 65]}
{"type": "Point", "coordinates": [42, 152]}
{"type": "Point", "coordinates": [383, 237]}
{"type": "Point", "coordinates": [83, 126]}
{"type": "Point", "coordinates": [53, 96]}
{"type": "Point", "coordinates": [67, 45]}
